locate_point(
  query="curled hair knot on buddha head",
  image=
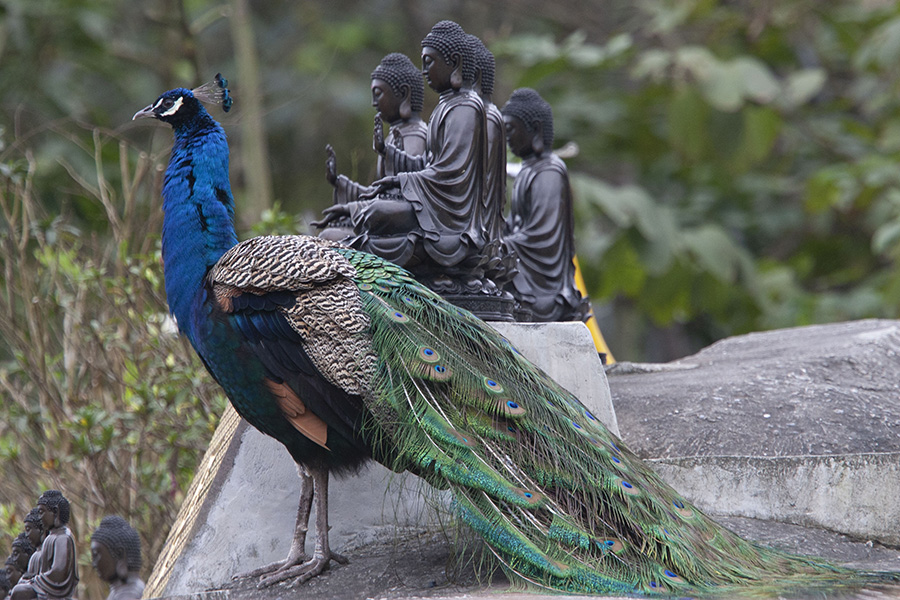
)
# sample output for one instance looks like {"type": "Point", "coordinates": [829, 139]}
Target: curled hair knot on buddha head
{"type": "Point", "coordinates": [485, 61]}
{"type": "Point", "coordinates": [23, 544]}
{"type": "Point", "coordinates": [55, 501]}
{"type": "Point", "coordinates": [396, 70]}
{"type": "Point", "coordinates": [448, 38]}
{"type": "Point", "coordinates": [527, 105]}
{"type": "Point", "coordinates": [121, 540]}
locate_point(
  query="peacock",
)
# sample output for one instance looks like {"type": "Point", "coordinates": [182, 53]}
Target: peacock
{"type": "Point", "coordinates": [343, 357]}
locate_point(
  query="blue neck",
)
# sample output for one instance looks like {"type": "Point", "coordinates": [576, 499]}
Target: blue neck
{"type": "Point", "coordinates": [198, 212]}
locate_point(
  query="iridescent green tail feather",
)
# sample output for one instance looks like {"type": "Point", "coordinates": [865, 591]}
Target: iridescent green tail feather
{"type": "Point", "coordinates": [558, 498]}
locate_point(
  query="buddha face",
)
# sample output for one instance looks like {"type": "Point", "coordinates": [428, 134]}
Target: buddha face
{"type": "Point", "coordinates": [385, 101]}
{"type": "Point", "coordinates": [103, 561]}
{"type": "Point", "coordinates": [518, 137]}
{"type": "Point", "coordinates": [20, 558]}
{"type": "Point", "coordinates": [436, 70]}
{"type": "Point", "coordinates": [48, 516]}
{"type": "Point", "coordinates": [34, 535]}
{"type": "Point", "coordinates": [13, 573]}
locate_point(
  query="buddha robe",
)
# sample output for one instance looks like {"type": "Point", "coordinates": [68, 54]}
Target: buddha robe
{"type": "Point", "coordinates": [540, 230]}
{"type": "Point", "coordinates": [495, 170]}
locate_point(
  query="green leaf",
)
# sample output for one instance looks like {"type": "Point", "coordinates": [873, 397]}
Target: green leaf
{"type": "Point", "coordinates": [886, 237]}
{"type": "Point", "coordinates": [801, 87]}
{"type": "Point", "coordinates": [759, 83]}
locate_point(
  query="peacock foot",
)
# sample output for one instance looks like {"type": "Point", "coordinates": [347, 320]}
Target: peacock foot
{"type": "Point", "coordinates": [302, 571]}
{"type": "Point", "coordinates": [294, 558]}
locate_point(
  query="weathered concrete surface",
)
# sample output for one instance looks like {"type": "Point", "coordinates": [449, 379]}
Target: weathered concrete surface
{"type": "Point", "coordinates": [799, 425]}
{"type": "Point", "coordinates": [241, 510]}
{"type": "Point", "coordinates": [420, 567]}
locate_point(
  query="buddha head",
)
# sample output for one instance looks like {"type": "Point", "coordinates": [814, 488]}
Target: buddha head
{"type": "Point", "coordinates": [115, 550]}
{"type": "Point", "coordinates": [397, 88]}
{"type": "Point", "coordinates": [33, 528]}
{"type": "Point", "coordinates": [447, 60]}
{"type": "Point", "coordinates": [13, 572]}
{"type": "Point", "coordinates": [22, 549]}
{"type": "Point", "coordinates": [529, 123]}
{"type": "Point", "coordinates": [53, 509]}
{"type": "Point", "coordinates": [485, 66]}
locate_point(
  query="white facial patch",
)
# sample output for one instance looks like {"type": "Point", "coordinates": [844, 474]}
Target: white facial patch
{"type": "Point", "coordinates": [174, 108]}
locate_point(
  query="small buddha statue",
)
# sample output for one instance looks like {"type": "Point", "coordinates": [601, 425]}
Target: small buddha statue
{"type": "Point", "coordinates": [398, 94]}
{"type": "Point", "coordinates": [13, 572]}
{"type": "Point", "coordinates": [116, 556]}
{"type": "Point", "coordinates": [35, 532]}
{"type": "Point", "coordinates": [57, 573]}
{"type": "Point", "coordinates": [540, 228]}
{"type": "Point", "coordinates": [22, 549]}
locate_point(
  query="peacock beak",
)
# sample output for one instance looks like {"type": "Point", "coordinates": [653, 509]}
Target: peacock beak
{"type": "Point", "coordinates": [144, 113]}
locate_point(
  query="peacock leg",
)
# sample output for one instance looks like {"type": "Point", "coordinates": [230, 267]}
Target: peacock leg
{"type": "Point", "coordinates": [322, 555]}
{"type": "Point", "coordinates": [297, 554]}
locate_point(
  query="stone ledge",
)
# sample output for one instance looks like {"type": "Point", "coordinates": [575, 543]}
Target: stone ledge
{"type": "Point", "coordinates": [798, 425]}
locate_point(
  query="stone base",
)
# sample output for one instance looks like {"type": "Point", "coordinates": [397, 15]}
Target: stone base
{"type": "Point", "coordinates": [240, 511]}
{"type": "Point", "coordinates": [486, 308]}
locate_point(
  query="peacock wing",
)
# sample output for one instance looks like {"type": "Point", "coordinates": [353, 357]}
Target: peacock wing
{"type": "Point", "coordinates": [293, 301]}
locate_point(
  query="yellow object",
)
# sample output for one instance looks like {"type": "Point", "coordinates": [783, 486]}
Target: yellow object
{"type": "Point", "coordinates": [591, 323]}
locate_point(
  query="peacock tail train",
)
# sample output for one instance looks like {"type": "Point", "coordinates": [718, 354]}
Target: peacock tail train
{"type": "Point", "coordinates": [558, 498]}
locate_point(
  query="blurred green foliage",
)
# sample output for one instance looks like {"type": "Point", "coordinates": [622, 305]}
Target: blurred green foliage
{"type": "Point", "coordinates": [736, 172]}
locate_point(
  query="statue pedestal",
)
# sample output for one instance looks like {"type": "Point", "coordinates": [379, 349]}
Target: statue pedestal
{"type": "Point", "coordinates": [488, 308]}
{"type": "Point", "coordinates": [240, 510]}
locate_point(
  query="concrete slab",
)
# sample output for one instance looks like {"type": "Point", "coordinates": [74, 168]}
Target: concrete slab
{"type": "Point", "coordinates": [419, 568]}
{"type": "Point", "coordinates": [799, 425]}
{"type": "Point", "coordinates": [240, 511]}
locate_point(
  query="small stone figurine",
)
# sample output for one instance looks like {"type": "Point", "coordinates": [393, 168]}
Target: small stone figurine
{"type": "Point", "coordinates": [57, 575]}
{"type": "Point", "coordinates": [22, 549]}
{"type": "Point", "coordinates": [116, 556]}
{"type": "Point", "coordinates": [398, 94]}
{"type": "Point", "coordinates": [35, 532]}
{"type": "Point", "coordinates": [540, 227]}
{"type": "Point", "coordinates": [13, 573]}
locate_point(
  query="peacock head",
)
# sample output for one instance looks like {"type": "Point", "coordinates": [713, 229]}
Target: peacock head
{"type": "Point", "coordinates": [181, 105]}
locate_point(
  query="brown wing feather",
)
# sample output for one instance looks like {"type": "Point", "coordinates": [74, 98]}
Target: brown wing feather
{"type": "Point", "coordinates": [294, 410]}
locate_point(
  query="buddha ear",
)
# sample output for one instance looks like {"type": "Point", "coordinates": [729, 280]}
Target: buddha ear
{"type": "Point", "coordinates": [406, 103]}
{"type": "Point", "coordinates": [122, 569]}
{"type": "Point", "coordinates": [537, 141]}
{"type": "Point", "coordinates": [456, 79]}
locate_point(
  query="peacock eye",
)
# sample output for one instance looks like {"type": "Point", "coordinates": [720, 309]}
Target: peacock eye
{"type": "Point", "coordinates": [168, 103]}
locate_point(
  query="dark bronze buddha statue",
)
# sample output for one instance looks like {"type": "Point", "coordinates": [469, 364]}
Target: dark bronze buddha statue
{"type": "Point", "coordinates": [21, 552]}
{"type": "Point", "coordinates": [116, 556]}
{"type": "Point", "coordinates": [35, 532]}
{"type": "Point", "coordinates": [398, 94]}
{"type": "Point", "coordinates": [57, 574]}
{"type": "Point", "coordinates": [540, 228]}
